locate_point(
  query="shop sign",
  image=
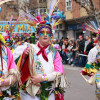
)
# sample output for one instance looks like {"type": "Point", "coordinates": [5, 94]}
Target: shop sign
{"type": "Point", "coordinates": [20, 27]}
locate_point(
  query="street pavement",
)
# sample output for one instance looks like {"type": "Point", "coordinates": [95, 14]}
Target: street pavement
{"type": "Point", "coordinates": [79, 89]}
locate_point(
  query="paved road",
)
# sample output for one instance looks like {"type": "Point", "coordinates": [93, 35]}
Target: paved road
{"type": "Point", "coordinates": [79, 89]}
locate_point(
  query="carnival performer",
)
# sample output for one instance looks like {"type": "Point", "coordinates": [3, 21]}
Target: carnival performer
{"type": "Point", "coordinates": [8, 72]}
{"type": "Point", "coordinates": [40, 65]}
{"type": "Point", "coordinates": [92, 68]}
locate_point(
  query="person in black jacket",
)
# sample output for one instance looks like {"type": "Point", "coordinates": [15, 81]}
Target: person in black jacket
{"type": "Point", "coordinates": [89, 46]}
{"type": "Point", "coordinates": [81, 44]}
{"type": "Point", "coordinates": [82, 58]}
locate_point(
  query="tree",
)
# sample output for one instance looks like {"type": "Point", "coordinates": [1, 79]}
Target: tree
{"type": "Point", "coordinates": [91, 9]}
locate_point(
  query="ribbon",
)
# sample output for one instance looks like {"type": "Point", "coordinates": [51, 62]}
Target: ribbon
{"type": "Point", "coordinates": [51, 88]}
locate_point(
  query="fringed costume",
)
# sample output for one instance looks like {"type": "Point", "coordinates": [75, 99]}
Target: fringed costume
{"type": "Point", "coordinates": [43, 61]}
{"type": "Point", "coordinates": [92, 68]}
{"type": "Point", "coordinates": [8, 71]}
{"type": "Point", "coordinates": [53, 88]}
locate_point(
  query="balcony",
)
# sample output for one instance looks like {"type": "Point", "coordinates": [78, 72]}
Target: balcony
{"type": "Point", "coordinates": [41, 5]}
{"type": "Point", "coordinates": [12, 2]}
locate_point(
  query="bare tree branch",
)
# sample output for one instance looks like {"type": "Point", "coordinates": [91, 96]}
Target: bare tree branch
{"type": "Point", "coordinates": [90, 12]}
{"type": "Point", "coordinates": [93, 11]}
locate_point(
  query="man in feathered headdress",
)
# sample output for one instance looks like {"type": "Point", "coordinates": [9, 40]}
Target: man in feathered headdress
{"type": "Point", "coordinates": [8, 71]}
{"type": "Point", "coordinates": [41, 69]}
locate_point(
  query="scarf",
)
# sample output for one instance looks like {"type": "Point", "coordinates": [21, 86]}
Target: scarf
{"type": "Point", "coordinates": [42, 50]}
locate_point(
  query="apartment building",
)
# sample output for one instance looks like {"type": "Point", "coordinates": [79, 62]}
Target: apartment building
{"type": "Point", "coordinates": [38, 6]}
{"type": "Point", "coordinates": [8, 9]}
{"type": "Point", "coordinates": [76, 15]}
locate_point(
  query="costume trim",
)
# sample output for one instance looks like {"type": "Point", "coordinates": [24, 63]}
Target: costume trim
{"type": "Point", "coordinates": [14, 72]}
{"type": "Point", "coordinates": [61, 81]}
{"type": "Point", "coordinates": [31, 88]}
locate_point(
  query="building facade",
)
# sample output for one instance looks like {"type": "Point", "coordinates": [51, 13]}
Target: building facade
{"type": "Point", "coordinates": [9, 9]}
{"type": "Point", "coordinates": [76, 15]}
{"type": "Point", "coordinates": [39, 6]}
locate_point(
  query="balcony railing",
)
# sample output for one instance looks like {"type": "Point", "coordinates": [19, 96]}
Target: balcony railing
{"type": "Point", "coordinates": [12, 2]}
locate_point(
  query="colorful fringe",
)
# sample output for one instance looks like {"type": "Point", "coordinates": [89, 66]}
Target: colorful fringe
{"type": "Point", "coordinates": [88, 70]}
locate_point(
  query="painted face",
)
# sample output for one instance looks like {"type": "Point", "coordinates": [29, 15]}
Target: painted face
{"type": "Point", "coordinates": [44, 36]}
{"type": "Point", "coordinates": [45, 31]}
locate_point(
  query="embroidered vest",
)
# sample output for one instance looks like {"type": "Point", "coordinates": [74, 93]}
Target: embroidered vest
{"type": "Point", "coordinates": [41, 65]}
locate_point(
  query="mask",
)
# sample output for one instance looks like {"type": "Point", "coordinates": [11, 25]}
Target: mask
{"type": "Point", "coordinates": [42, 34]}
{"type": "Point", "coordinates": [45, 31]}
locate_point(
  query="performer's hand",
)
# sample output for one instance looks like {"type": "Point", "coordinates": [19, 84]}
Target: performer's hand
{"type": "Point", "coordinates": [36, 79]}
{"type": "Point", "coordinates": [27, 51]}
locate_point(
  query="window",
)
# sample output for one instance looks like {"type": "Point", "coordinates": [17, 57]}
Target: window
{"type": "Point", "coordinates": [60, 26]}
{"type": "Point", "coordinates": [44, 0]}
{"type": "Point", "coordinates": [85, 2]}
{"type": "Point", "coordinates": [27, 1]}
{"type": "Point", "coordinates": [44, 10]}
{"type": "Point", "coordinates": [41, 1]}
{"type": "Point", "coordinates": [11, 6]}
{"type": "Point", "coordinates": [68, 5]}
{"type": "Point", "coordinates": [57, 27]}
{"type": "Point", "coordinates": [15, 9]}
{"type": "Point", "coordinates": [40, 10]}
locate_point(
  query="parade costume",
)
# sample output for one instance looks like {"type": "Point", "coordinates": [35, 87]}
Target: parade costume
{"type": "Point", "coordinates": [92, 68]}
{"type": "Point", "coordinates": [93, 58]}
{"type": "Point", "coordinates": [8, 69]}
{"type": "Point", "coordinates": [45, 61]}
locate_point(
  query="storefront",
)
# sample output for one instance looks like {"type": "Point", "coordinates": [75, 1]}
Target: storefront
{"type": "Point", "coordinates": [74, 30]}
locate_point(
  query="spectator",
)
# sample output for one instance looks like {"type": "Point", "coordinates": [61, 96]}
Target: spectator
{"type": "Point", "coordinates": [69, 52]}
{"type": "Point", "coordinates": [75, 53]}
{"type": "Point", "coordinates": [86, 42]}
{"type": "Point", "coordinates": [81, 44]}
{"type": "Point", "coordinates": [95, 41]}
{"type": "Point", "coordinates": [89, 46]}
{"type": "Point", "coordinates": [64, 50]}
{"type": "Point", "coordinates": [82, 58]}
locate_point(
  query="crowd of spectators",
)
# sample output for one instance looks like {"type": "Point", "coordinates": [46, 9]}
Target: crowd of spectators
{"type": "Point", "coordinates": [74, 52]}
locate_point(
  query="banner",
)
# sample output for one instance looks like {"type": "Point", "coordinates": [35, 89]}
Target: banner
{"type": "Point", "coordinates": [21, 27]}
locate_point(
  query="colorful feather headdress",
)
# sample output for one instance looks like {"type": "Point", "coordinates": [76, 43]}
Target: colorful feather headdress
{"type": "Point", "coordinates": [49, 20]}
{"type": "Point", "coordinates": [9, 32]}
{"type": "Point", "coordinates": [93, 28]}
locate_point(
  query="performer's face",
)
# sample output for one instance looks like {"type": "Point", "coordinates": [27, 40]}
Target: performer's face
{"type": "Point", "coordinates": [99, 43]}
{"type": "Point", "coordinates": [44, 36]}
